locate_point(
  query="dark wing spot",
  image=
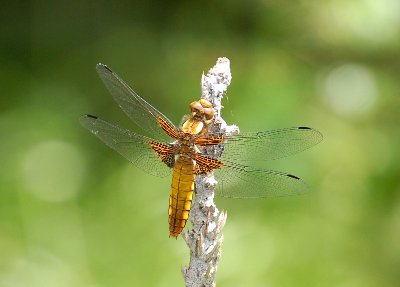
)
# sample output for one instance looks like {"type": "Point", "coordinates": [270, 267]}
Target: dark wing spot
{"type": "Point", "coordinates": [304, 128]}
{"type": "Point", "coordinates": [104, 66]}
{"type": "Point", "coordinates": [293, 176]}
{"type": "Point", "coordinates": [93, 117]}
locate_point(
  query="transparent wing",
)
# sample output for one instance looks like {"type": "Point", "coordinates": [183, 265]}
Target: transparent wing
{"type": "Point", "coordinates": [269, 145]}
{"type": "Point", "coordinates": [136, 148]}
{"type": "Point", "coordinates": [138, 110]}
{"type": "Point", "coordinates": [240, 181]}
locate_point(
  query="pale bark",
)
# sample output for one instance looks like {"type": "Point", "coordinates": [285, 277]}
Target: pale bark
{"type": "Point", "coordinates": [205, 239]}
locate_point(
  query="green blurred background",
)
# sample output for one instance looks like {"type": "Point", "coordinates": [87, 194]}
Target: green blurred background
{"type": "Point", "coordinates": [75, 213]}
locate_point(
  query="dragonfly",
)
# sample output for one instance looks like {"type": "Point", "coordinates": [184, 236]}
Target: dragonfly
{"type": "Point", "coordinates": [182, 150]}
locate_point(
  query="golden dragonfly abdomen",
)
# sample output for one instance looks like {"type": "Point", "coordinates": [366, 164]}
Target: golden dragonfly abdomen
{"type": "Point", "coordinates": [180, 199]}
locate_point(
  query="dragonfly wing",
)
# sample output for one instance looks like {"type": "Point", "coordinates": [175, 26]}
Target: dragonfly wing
{"type": "Point", "coordinates": [136, 148]}
{"type": "Point", "coordinates": [138, 110]}
{"type": "Point", "coordinates": [269, 145]}
{"type": "Point", "coordinates": [240, 181]}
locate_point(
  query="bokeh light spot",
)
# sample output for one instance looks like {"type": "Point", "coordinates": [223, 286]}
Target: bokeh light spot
{"type": "Point", "coordinates": [53, 170]}
{"type": "Point", "coordinates": [350, 90]}
{"type": "Point", "coordinates": [43, 268]}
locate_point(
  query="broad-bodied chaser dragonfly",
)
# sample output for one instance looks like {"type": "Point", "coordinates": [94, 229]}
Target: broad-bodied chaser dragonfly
{"type": "Point", "coordinates": [181, 150]}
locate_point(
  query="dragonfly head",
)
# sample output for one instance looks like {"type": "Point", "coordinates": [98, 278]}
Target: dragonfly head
{"type": "Point", "coordinates": [203, 109]}
{"type": "Point", "coordinates": [201, 116]}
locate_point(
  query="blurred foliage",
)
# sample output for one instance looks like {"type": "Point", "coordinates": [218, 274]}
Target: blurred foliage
{"type": "Point", "coordinates": [74, 213]}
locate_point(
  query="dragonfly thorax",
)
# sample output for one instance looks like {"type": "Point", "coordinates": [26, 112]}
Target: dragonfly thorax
{"type": "Point", "coordinates": [185, 146]}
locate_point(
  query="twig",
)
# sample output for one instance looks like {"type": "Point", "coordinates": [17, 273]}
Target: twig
{"type": "Point", "coordinates": [205, 239]}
